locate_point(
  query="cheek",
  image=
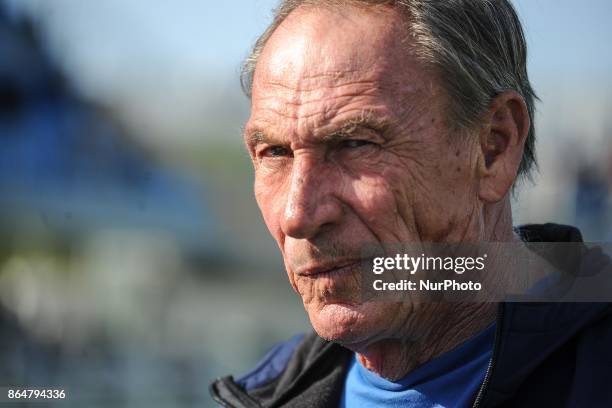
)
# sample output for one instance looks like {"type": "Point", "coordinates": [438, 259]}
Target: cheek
{"type": "Point", "coordinates": [445, 198]}
{"type": "Point", "coordinates": [271, 201]}
{"type": "Point", "coordinates": [408, 200]}
{"type": "Point", "coordinates": [379, 201]}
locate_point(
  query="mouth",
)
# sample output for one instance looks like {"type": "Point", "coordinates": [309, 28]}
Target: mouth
{"type": "Point", "coordinates": [325, 270]}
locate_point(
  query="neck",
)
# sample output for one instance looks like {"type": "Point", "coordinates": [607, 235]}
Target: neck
{"type": "Point", "coordinates": [395, 358]}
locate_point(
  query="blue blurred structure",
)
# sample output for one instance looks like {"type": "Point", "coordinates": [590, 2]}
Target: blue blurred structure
{"type": "Point", "coordinates": [62, 160]}
{"type": "Point", "coordinates": [64, 163]}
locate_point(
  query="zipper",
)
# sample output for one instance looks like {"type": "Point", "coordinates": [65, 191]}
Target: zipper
{"type": "Point", "coordinates": [496, 341]}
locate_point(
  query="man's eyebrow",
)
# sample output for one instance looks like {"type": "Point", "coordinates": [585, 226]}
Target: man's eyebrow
{"type": "Point", "coordinates": [347, 129]}
{"type": "Point", "coordinates": [258, 136]}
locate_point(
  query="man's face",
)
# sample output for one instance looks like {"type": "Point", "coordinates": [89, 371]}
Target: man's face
{"type": "Point", "coordinates": [351, 145]}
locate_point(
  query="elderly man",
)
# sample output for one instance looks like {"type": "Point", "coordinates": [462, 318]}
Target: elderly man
{"type": "Point", "coordinates": [404, 121]}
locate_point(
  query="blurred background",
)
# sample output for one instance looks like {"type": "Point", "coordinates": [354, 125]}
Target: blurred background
{"type": "Point", "coordinates": [134, 264]}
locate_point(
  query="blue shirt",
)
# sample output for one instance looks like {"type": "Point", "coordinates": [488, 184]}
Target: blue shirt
{"type": "Point", "coordinates": [449, 380]}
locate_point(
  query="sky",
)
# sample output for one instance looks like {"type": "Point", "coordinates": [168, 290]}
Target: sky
{"type": "Point", "coordinates": [566, 37]}
{"type": "Point", "coordinates": [214, 36]}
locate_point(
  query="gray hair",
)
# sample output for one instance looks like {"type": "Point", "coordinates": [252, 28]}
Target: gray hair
{"type": "Point", "coordinates": [477, 46]}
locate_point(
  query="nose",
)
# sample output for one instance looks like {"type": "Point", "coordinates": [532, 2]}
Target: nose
{"type": "Point", "coordinates": [312, 205]}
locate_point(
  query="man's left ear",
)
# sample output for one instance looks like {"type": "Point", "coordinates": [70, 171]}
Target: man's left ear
{"type": "Point", "coordinates": [502, 139]}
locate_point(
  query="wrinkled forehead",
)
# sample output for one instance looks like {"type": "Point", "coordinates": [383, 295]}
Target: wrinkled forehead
{"type": "Point", "coordinates": [318, 45]}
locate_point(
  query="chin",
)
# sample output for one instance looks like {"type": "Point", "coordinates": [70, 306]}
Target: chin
{"type": "Point", "coordinates": [346, 324]}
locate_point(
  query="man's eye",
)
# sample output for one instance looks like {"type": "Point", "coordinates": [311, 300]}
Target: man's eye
{"type": "Point", "coordinates": [353, 143]}
{"type": "Point", "coordinates": [276, 151]}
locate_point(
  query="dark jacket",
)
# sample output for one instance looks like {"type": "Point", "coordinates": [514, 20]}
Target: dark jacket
{"type": "Point", "coordinates": [544, 355]}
